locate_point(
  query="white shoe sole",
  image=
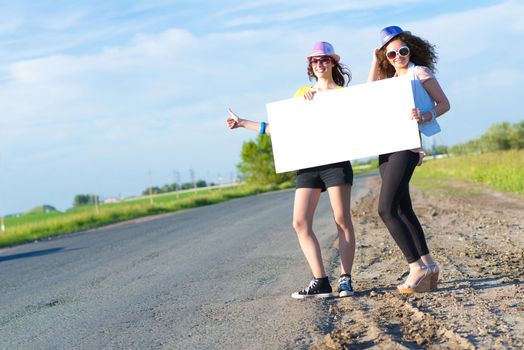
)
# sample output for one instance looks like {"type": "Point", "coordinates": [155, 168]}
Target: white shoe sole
{"type": "Point", "coordinates": [344, 294]}
{"type": "Point", "coordinates": [311, 296]}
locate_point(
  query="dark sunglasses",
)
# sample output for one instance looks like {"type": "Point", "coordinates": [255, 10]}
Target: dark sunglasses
{"type": "Point", "coordinates": [402, 52]}
{"type": "Point", "coordinates": [322, 60]}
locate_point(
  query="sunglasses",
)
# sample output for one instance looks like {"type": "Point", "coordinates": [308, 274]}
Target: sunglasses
{"type": "Point", "coordinates": [402, 52]}
{"type": "Point", "coordinates": [322, 60]}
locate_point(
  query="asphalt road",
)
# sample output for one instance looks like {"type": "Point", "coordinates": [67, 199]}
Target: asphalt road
{"type": "Point", "coordinates": [216, 277]}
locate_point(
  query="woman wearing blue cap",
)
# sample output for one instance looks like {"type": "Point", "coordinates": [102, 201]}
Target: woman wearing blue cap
{"type": "Point", "coordinates": [402, 53]}
{"type": "Point", "coordinates": [328, 73]}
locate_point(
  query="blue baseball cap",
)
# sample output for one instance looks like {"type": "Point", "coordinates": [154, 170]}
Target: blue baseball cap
{"type": "Point", "coordinates": [389, 33]}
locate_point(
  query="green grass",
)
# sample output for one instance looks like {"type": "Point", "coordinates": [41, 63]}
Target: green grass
{"type": "Point", "coordinates": [503, 171]}
{"type": "Point", "coordinates": [30, 227]}
{"type": "Point", "coordinates": [29, 218]}
{"type": "Point", "coordinates": [500, 170]}
{"type": "Point", "coordinates": [34, 226]}
{"type": "Point", "coordinates": [364, 167]}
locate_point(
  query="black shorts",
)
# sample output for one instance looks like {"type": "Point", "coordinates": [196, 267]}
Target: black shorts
{"type": "Point", "coordinates": [325, 176]}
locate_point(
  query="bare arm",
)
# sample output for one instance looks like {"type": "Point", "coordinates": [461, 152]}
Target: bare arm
{"type": "Point", "coordinates": [441, 102]}
{"type": "Point", "coordinates": [373, 70]}
{"type": "Point", "coordinates": [437, 94]}
{"type": "Point", "coordinates": [233, 121]}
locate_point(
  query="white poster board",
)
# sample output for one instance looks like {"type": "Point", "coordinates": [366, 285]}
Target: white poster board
{"type": "Point", "coordinates": [344, 124]}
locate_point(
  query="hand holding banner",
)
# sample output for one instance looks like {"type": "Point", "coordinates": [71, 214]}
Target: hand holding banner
{"type": "Point", "coordinates": [343, 124]}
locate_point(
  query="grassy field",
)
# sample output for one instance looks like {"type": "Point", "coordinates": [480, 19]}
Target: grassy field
{"type": "Point", "coordinates": [35, 226]}
{"type": "Point", "coordinates": [30, 227]}
{"type": "Point", "coordinates": [503, 170]}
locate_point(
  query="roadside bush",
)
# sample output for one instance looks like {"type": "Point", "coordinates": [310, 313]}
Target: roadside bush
{"type": "Point", "coordinates": [257, 166]}
{"type": "Point", "coordinates": [499, 137]}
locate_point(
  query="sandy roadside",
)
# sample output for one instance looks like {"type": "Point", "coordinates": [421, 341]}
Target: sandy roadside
{"type": "Point", "coordinates": [477, 237]}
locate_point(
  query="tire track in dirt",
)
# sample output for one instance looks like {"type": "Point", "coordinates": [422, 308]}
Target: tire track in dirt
{"type": "Point", "coordinates": [477, 240]}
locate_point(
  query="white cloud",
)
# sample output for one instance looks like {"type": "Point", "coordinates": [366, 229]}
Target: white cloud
{"type": "Point", "coordinates": [289, 11]}
{"type": "Point", "coordinates": [62, 20]}
{"type": "Point", "coordinates": [468, 34]}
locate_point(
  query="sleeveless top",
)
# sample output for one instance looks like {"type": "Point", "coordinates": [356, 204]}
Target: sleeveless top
{"type": "Point", "coordinates": [300, 92]}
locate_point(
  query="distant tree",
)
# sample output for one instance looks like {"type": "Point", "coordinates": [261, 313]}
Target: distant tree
{"type": "Point", "coordinates": [201, 183]}
{"type": "Point", "coordinates": [498, 136]}
{"type": "Point", "coordinates": [440, 149]}
{"type": "Point", "coordinates": [166, 188]}
{"type": "Point", "coordinates": [501, 136]}
{"type": "Point", "coordinates": [85, 199]}
{"type": "Point", "coordinates": [257, 165]}
{"type": "Point", "coordinates": [517, 140]}
{"type": "Point", "coordinates": [187, 185]}
{"type": "Point", "coordinates": [154, 190]}
{"type": "Point", "coordinates": [46, 208]}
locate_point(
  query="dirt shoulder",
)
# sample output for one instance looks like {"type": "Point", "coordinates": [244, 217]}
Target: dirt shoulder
{"type": "Point", "coordinates": [476, 235]}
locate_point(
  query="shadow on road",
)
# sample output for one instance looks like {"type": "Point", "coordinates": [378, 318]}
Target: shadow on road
{"type": "Point", "coordinates": [31, 254]}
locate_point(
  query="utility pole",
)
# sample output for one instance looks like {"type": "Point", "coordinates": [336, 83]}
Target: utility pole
{"type": "Point", "coordinates": [95, 202]}
{"type": "Point", "coordinates": [193, 181]}
{"type": "Point", "coordinates": [176, 175]}
{"type": "Point", "coordinates": [2, 225]}
{"type": "Point", "coordinates": [150, 189]}
{"type": "Point", "coordinates": [176, 178]}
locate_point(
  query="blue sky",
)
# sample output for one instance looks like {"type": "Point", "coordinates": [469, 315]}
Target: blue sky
{"type": "Point", "coordinates": [96, 96]}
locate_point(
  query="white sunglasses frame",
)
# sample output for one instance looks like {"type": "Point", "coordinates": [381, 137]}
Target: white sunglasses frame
{"type": "Point", "coordinates": [397, 53]}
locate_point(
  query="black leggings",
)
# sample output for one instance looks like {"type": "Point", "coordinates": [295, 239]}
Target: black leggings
{"type": "Point", "coordinates": [394, 206]}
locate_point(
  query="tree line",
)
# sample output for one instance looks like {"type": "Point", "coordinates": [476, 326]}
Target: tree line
{"type": "Point", "coordinates": [257, 164]}
{"type": "Point", "coordinates": [85, 199]}
{"type": "Point", "coordinates": [92, 199]}
{"type": "Point", "coordinates": [499, 137]}
{"type": "Point", "coordinates": [176, 187]}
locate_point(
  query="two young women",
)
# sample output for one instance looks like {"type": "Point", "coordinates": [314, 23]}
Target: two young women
{"type": "Point", "coordinates": [401, 53]}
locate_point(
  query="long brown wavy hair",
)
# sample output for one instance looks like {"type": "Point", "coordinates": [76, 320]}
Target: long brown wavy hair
{"type": "Point", "coordinates": [339, 72]}
{"type": "Point", "coordinates": [422, 53]}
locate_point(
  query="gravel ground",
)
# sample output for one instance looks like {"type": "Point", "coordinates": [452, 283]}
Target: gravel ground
{"type": "Point", "coordinates": [476, 235]}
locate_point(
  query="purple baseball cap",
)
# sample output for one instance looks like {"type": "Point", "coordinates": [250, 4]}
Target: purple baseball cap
{"type": "Point", "coordinates": [389, 33]}
{"type": "Point", "coordinates": [322, 48]}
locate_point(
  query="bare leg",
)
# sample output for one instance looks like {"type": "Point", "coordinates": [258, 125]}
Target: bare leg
{"type": "Point", "coordinates": [416, 272]}
{"type": "Point", "coordinates": [306, 200]}
{"type": "Point", "coordinates": [428, 260]}
{"type": "Point", "coordinates": [340, 198]}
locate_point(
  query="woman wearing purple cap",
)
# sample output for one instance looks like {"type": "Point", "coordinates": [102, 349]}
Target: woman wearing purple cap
{"type": "Point", "coordinates": [337, 179]}
{"type": "Point", "coordinates": [403, 53]}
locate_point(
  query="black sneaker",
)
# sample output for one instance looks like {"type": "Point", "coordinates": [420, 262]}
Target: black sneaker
{"type": "Point", "coordinates": [344, 286]}
{"type": "Point", "coordinates": [318, 288]}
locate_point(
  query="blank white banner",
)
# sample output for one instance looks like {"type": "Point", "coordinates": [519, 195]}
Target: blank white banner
{"type": "Point", "coordinates": [337, 125]}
